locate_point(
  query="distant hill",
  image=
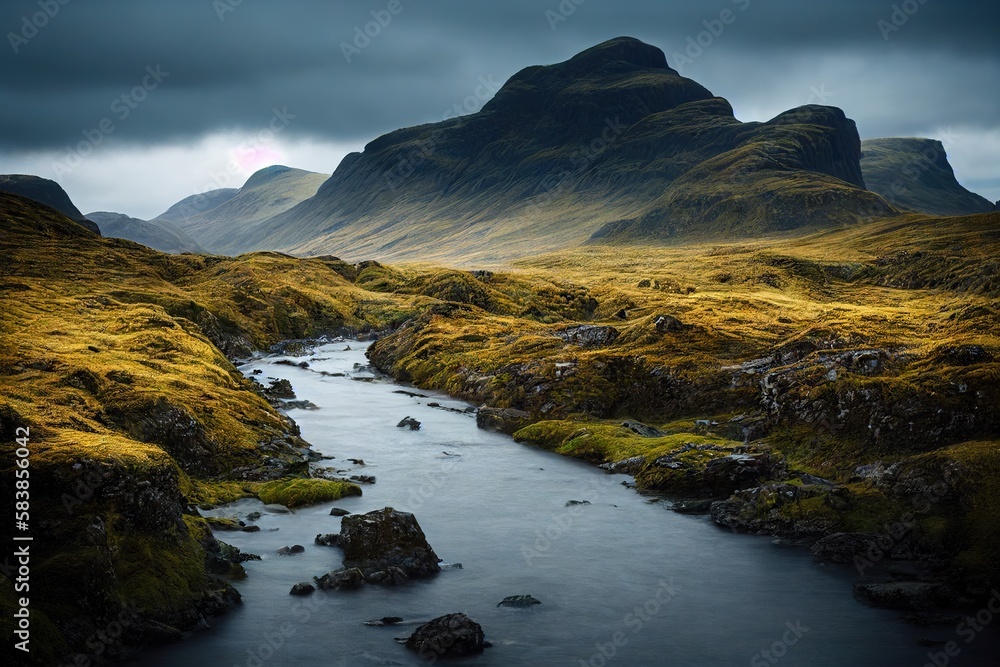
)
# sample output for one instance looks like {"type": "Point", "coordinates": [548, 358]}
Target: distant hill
{"type": "Point", "coordinates": [224, 227]}
{"type": "Point", "coordinates": [156, 234]}
{"type": "Point", "coordinates": [612, 142]}
{"type": "Point", "coordinates": [195, 204]}
{"type": "Point", "coordinates": [46, 192]}
{"type": "Point", "coordinates": [915, 174]}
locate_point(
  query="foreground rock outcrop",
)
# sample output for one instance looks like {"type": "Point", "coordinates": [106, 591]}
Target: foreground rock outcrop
{"type": "Point", "coordinates": [449, 636]}
{"type": "Point", "coordinates": [379, 543]}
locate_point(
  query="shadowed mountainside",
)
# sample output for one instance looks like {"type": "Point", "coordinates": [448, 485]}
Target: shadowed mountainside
{"type": "Point", "coordinates": [46, 192]}
{"type": "Point", "coordinates": [266, 193]}
{"type": "Point", "coordinates": [156, 234]}
{"type": "Point", "coordinates": [611, 141]}
{"type": "Point", "coordinates": [914, 174]}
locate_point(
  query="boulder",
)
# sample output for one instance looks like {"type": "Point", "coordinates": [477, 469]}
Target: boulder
{"type": "Point", "coordinates": [336, 511]}
{"type": "Point", "coordinates": [502, 420]}
{"type": "Point", "coordinates": [302, 588]}
{"type": "Point", "coordinates": [342, 579]}
{"type": "Point", "coordinates": [588, 335]}
{"type": "Point", "coordinates": [409, 422]}
{"type": "Point", "coordinates": [384, 539]}
{"type": "Point", "coordinates": [279, 389]}
{"type": "Point", "coordinates": [667, 323]}
{"type": "Point", "coordinates": [384, 621]}
{"type": "Point", "coordinates": [288, 551]}
{"type": "Point", "coordinates": [519, 601]}
{"type": "Point", "coordinates": [643, 430]}
{"type": "Point", "coordinates": [391, 576]}
{"type": "Point", "coordinates": [453, 635]}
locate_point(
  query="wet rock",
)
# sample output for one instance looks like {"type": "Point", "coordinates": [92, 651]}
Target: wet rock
{"type": "Point", "coordinates": [336, 511]}
{"type": "Point", "coordinates": [256, 371]}
{"type": "Point", "coordinates": [250, 529]}
{"type": "Point", "coordinates": [279, 389]}
{"type": "Point", "coordinates": [693, 507]}
{"type": "Point", "coordinates": [453, 635]}
{"type": "Point", "coordinates": [518, 601]}
{"type": "Point", "coordinates": [409, 422]}
{"type": "Point", "coordinates": [302, 588]}
{"type": "Point", "coordinates": [391, 576]}
{"type": "Point", "coordinates": [843, 547]}
{"type": "Point", "coordinates": [357, 462]}
{"type": "Point", "coordinates": [451, 566]}
{"type": "Point", "coordinates": [387, 538]}
{"type": "Point", "coordinates": [571, 503]}
{"type": "Point", "coordinates": [275, 508]}
{"type": "Point", "coordinates": [628, 466]}
{"type": "Point", "coordinates": [502, 420]}
{"type": "Point", "coordinates": [384, 621]}
{"type": "Point", "coordinates": [288, 551]}
{"type": "Point", "coordinates": [328, 540]}
{"type": "Point", "coordinates": [411, 394]}
{"type": "Point", "coordinates": [342, 579]}
{"type": "Point", "coordinates": [904, 595]}
{"type": "Point", "coordinates": [300, 405]}
{"type": "Point", "coordinates": [772, 509]}
{"type": "Point", "coordinates": [363, 479]}
{"type": "Point", "coordinates": [643, 430]}
{"type": "Point", "coordinates": [588, 335]}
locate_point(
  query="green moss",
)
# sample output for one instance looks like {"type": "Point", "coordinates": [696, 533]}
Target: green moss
{"type": "Point", "coordinates": [294, 493]}
{"type": "Point", "coordinates": [159, 574]}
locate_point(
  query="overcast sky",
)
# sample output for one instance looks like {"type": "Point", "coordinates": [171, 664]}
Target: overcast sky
{"type": "Point", "coordinates": [132, 105]}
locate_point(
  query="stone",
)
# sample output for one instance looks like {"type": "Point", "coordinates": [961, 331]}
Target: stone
{"type": "Point", "coordinates": [449, 636]}
{"type": "Point", "coordinates": [904, 595]}
{"type": "Point", "coordinates": [409, 422]}
{"type": "Point", "coordinates": [518, 601]}
{"type": "Point", "coordinates": [843, 547]}
{"type": "Point", "coordinates": [328, 540]}
{"type": "Point", "coordinates": [384, 621]}
{"type": "Point", "coordinates": [588, 335]}
{"type": "Point", "coordinates": [302, 588]}
{"type": "Point", "coordinates": [336, 511]}
{"type": "Point", "coordinates": [387, 538]}
{"type": "Point", "coordinates": [667, 324]}
{"type": "Point", "coordinates": [643, 430]}
{"type": "Point", "coordinates": [342, 579]}
{"type": "Point", "coordinates": [502, 420]}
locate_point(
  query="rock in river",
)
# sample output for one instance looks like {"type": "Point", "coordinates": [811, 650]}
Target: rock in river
{"type": "Point", "coordinates": [342, 579]}
{"type": "Point", "coordinates": [410, 422]}
{"type": "Point", "coordinates": [336, 511]}
{"type": "Point", "coordinates": [302, 588]}
{"type": "Point", "coordinates": [519, 601]}
{"type": "Point", "coordinates": [386, 538]}
{"type": "Point", "coordinates": [453, 635]}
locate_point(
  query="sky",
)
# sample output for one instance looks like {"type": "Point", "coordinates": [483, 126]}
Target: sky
{"type": "Point", "coordinates": [132, 105]}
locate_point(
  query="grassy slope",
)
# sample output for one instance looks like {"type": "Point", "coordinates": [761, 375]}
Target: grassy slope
{"type": "Point", "coordinates": [110, 354]}
{"type": "Point", "coordinates": [915, 296]}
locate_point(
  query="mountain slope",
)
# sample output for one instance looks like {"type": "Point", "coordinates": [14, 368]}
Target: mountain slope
{"type": "Point", "coordinates": [156, 234]}
{"type": "Point", "coordinates": [612, 139]}
{"type": "Point", "coordinates": [915, 174]}
{"type": "Point", "coordinates": [195, 204]}
{"type": "Point", "coordinates": [46, 192]}
{"type": "Point", "coordinates": [266, 193]}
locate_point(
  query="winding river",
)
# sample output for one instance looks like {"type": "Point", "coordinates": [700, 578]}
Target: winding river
{"type": "Point", "coordinates": [623, 580]}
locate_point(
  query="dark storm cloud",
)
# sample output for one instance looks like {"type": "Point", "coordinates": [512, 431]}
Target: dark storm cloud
{"type": "Point", "coordinates": [230, 72]}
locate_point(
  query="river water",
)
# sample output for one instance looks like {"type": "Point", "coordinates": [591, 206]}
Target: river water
{"type": "Point", "coordinates": [622, 581]}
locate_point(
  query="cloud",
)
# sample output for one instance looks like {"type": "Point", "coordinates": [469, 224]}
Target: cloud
{"type": "Point", "coordinates": [226, 75]}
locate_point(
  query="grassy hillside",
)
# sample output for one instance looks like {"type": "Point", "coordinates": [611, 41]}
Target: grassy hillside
{"type": "Point", "coordinates": [112, 355]}
{"type": "Point", "coordinates": [871, 345]}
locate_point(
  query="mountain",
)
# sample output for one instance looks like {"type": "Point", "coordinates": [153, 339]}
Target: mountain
{"type": "Point", "coordinates": [915, 174]}
{"type": "Point", "coordinates": [156, 234]}
{"type": "Point", "coordinates": [195, 204]}
{"type": "Point", "coordinates": [46, 192]}
{"type": "Point", "coordinates": [612, 141]}
{"type": "Point", "coordinates": [266, 193]}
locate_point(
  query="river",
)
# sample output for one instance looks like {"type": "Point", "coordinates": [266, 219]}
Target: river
{"type": "Point", "coordinates": [622, 581]}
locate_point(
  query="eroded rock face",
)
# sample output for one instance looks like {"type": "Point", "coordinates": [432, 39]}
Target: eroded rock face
{"type": "Point", "coordinates": [769, 510]}
{"type": "Point", "coordinates": [378, 541]}
{"type": "Point", "coordinates": [453, 635]}
{"type": "Point", "coordinates": [904, 595]}
{"type": "Point", "coordinates": [589, 335]}
{"type": "Point", "coordinates": [502, 420]}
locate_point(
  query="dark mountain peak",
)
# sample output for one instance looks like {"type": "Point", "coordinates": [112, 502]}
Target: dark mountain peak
{"type": "Point", "coordinates": [618, 51]}
{"type": "Point", "coordinates": [47, 192]}
{"type": "Point", "coordinates": [914, 173]}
